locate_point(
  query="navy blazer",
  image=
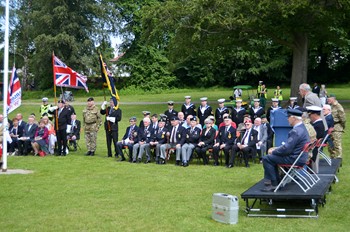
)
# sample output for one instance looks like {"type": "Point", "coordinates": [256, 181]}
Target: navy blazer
{"type": "Point", "coordinates": [252, 138]}
{"type": "Point", "coordinates": [329, 120]}
{"type": "Point", "coordinates": [192, 137]}
{"type": "Point", "coordinates": [180, 134]}
{"type": "Point", "coordinates": [226, 137]}
{"type": "Point", "coordinates": [76, 129]}
{"type": "Point", "coordinates": [63, 118]}
{"type": "Point", "coordinates": [30, 133]}
{"type": "Point", "coordinates": [208, 139]}
{"type": "Point", "coordinates": [117, 114]}
{"type": "Point", "coordinates": [160, 135]}
{"type": "Point", "coordinates": [319, 128]}
{"type": "Point", "coordinates": [146, 135]}
{"type": "Point", "coordinates": [133, 135]}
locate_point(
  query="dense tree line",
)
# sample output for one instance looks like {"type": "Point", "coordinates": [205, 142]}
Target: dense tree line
{"type": "Point", "coordinates": [178, 43]}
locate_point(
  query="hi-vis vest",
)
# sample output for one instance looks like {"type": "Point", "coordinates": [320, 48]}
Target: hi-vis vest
{"type": "Point", "coordinates": [45, 109]}
{"type": "Point", "coordinates": [278, 94]}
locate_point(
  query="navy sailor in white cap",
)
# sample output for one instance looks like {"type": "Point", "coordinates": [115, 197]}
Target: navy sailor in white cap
{"type": "Point", "coordinates": [204, 110]}
{"type": "Point", "coordinates": [220, 111]}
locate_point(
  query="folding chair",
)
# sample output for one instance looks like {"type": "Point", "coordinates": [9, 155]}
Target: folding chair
{"type": "Point", "coordinates": [169, 151]}
{"type": "Point", "coordinates": [303, 176]}
{"type": "Point", "coordinates": [70, 144]}
{"type": "Point", "coordinates": [125, 150]}
{"type": "Point", "coordinates": [324, 144]}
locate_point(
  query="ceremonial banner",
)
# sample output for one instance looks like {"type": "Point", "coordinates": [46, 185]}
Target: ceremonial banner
{"type": "Point", "coordinates": [14, 96]}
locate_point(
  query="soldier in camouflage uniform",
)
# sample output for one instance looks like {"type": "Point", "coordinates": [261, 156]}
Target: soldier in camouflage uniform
{"type": "Point", "coordinates": [91, 122]}
{"type": "Point", "coordinates": [339, 117]}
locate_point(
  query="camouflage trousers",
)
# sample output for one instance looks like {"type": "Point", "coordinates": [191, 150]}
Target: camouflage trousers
{"type": "Point", "coordinates": [336, 151]}
{"type": "Point", "coordinates": [90, 140]}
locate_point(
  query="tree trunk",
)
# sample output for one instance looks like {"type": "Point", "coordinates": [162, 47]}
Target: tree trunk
{"type": "Point", "coordinates": [300, 62]}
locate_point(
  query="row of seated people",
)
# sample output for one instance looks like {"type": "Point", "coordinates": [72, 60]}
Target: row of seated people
{"type": "Point", "coordinates": [185, 140]}
{"type": "Point", "coordinates": [37, 137]}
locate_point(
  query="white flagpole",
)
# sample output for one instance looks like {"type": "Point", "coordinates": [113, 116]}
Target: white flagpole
{"type": "Point", "coordinates": [5, 89]}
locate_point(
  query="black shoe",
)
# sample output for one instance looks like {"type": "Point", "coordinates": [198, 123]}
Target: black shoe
{"type": "Point", "coordinates": [269, 188]}
{"type": "Point", "coordinates": [122, 159]}
{"type": "Point", "coordinates": [147, 161]}
{"type": "Point", "coordinates": [139, 160]}
{"type": "Point", "coordinates": [185, 164]}
{"type": "Point", "coordinates": [267, 183]}
{"type": "Point", "coordinates": [88, 153]}
{"type": "Point", "coordinates": [230, 166]}
{"type": "Point", "coordinates": [116, 155]}
{"type": "Point", "coordinates": [134, 161]}
{"type": "Point", "coordinates": [57, 154]}
{"type": "Point", "coordinates": [177, 163]}
{"type": "Point", "coordinates": [161, 161]}
{"type": "Point", "coordinates": [216, 164]}
{"type": "Point", "coordinates": [92, 153]}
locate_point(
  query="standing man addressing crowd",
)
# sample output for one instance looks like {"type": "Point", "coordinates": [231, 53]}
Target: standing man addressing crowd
{"type": "Point", "coordinates": [113, 116]}
{"type": "Point", "coordinates": [92, 122]}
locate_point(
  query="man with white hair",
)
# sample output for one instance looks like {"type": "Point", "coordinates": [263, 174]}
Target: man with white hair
{"type": "Point", "coordinates": [327, 112]}
{"type": "Point", "coordinates": [286, 153]}
{"type": "Point", "coordinates": [145, 137]}
{"type": "Point", "coordinates": [311, 99]}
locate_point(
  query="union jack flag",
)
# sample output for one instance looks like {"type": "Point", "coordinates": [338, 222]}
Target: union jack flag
{"type": "Point", "coordinates": [14, 95]}
{"type": "Point", "coordinates": [67, 77]}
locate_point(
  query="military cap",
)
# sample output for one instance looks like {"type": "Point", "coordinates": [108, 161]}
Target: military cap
{"type": "Point", "coordinates": [227, 117]}
{"type": "Point", "coordinates": [194, 118]}
{"type": "Point", "coordinates": [332, 95]}
{"type": "Point", "coordinates": [146, 112]}
{"type": "Point", "coordinates": [256, 99]}
{"type": "Point", "coordinates": [187, 97]}
{"type": "Point", "coordinates": [90, 99]}
{"type": "Point", "coordinates": [248, 121]}
{"type": "Point", "coordinates": [274, 99]}
{"type": "Point", "coordinates": [314, 109]}
{"type": "Point", "coordinates": [263, 116]}
{"type": "Point", "coordinates": [170, 103]}
{"type": "Point", "coordinates": [203, 98]}
{"type": "Point", "coordinates": [221, 100]}
{"type": "Point", "coordinates": [162, 120]}
{"type": "Point", "coordinates": [260, 82]}
{"type": "Point", "coordinates": [45, 99]}
{"type": "Point", "coordinates": [133, 118]}
{"type": "Point", "coordinates": [174, 118]}
{"type": "Point", "coordinates": [294, 112]}
{"type": "Point", "coordinates": [293, 98]}
{"type": "Point", "coordinates": [60, 101]}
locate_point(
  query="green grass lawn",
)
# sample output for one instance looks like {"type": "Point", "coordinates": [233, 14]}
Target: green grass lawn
{"type": "Point", "coordinates": [79, 193]}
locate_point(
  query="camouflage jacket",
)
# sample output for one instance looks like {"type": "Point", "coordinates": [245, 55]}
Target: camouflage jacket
{"type": "Point", "coordinates": [339, 117]}
{"type": "Point", "coordinates": [91, 118]}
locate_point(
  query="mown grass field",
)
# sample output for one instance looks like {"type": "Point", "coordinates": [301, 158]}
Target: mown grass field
{"type": "Point", "coordinates": [79, 193]}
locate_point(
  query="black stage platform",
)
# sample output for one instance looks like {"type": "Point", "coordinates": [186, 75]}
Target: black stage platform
{"type": "Point", "coordinates": [291, 199]}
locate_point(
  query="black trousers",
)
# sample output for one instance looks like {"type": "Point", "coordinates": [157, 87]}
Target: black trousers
{"type": "Point", "coordinates": [24, 147]}
{"type": "Point", "coordinates": [247, 151]}
{"type": "Point", "coordinates": [61, 141]}
{"type": "Point", "coordinates": [202, 153]}
{"type": "Point", "coordinates": [111, 136]}
{"type": "Point", "coordinates": [226, 150]}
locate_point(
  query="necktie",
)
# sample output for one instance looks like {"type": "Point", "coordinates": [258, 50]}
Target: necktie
{"type": "Point", "coordinates": [172, 138]}
{"type": "Point", "coordinates": [73, 124]}
{"type": "Point", "coordinates": [130, 130]}
{"type": "Point", "coordinates": [59, 112]}
{"type": "Point", "coordinates": [245, 135]}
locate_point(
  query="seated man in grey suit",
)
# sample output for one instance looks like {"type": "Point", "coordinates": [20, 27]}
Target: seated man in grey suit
{"type": "Point", "coordinates": [288, 152]}
{"type": "Point", "coordinates": [24, 142]}
{"type": "Point", "coordinates": [262, 137]}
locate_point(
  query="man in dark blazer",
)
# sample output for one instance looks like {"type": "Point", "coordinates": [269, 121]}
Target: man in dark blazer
{"type": "Point", "coordinates": [204, 110]}
{"type": "Point", "coordinates": [224, 141]}
{"type": "Point", "coordinates": [24, 142]}
{"type": "Point", "coordinates": [246, 143]}
{"type": "Point", "coordinates": [73, 134]}
{"type": "Point", "coordinates": [288, 152]}
{"type": "Point", "coordinates": [62, 119]}
{"type": "Point", "coordinates": [129, 139]}
{"type": "Point", "coordinates": [176, 137]}
{"type": "Point", "coordinates": [192, 135]}
{"type": "Point", "coordinates": [159, 138]}
{"type": "Point", "coordinates": [144, 138]}
{"type": "Point", "coordinates": [113, 116]}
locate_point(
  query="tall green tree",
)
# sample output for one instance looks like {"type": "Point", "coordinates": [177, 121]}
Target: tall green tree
{"type": "Point", "coordinates": [70, 28]}
{"type": "Point", "coordinates": [187, 26]}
